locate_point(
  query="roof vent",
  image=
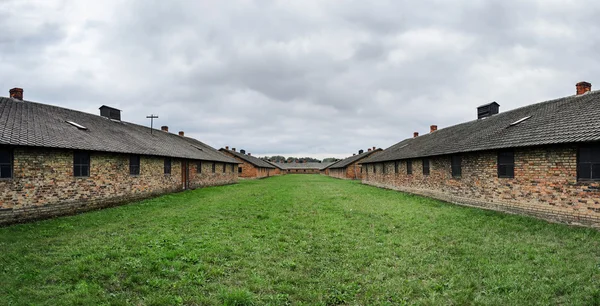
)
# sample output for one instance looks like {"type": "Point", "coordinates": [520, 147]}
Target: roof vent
{"type": "Point", "coordinates": [243, 151]}
{"type": "Point", "coordinates": [488, 110]}
{"type": "Point", "coordinates": [110, 112]}
{"type": "Point", "coordinates": [361, 151]}
{"type": "Point", "coordinates": [77, 125]}
{"type": "Point", "coordinates": [233, 149]}
{"type": "Point", "coordinates": [164, 128]}
{"type": "Point", "coordinates": [16, 93]}
{"type": "Point", "coordinates": [415, 134]}
{"type": "Point", "coordinates": [181, 133]}
{"type": "Point", "coordinates": [520, 120]}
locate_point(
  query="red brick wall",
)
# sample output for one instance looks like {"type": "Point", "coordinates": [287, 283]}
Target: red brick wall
{"type": "Point", "coordinates": [249, 170]}
{"type": "Point", "coordinates": [43, 184]}
{"type": "Point", "coordinates": [545, 184]}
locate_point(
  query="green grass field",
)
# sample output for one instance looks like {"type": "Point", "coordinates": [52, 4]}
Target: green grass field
{"type": "Point", "coordinates": [297, 239]}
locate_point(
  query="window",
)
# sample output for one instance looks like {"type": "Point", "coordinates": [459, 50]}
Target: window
{"type": "Point", "coordinates": [214, 167]}
{"type": "Point", "coordinates": [224, 165]}
{"type": "Point", "coordinates": [167, 165]}
{"type": "Point", "coordinates": [456, 163]}
{"type": "Point", "coordinates": [374, 169]}
{"type": "Point", "coordinates": [81, 164]}
{"type": "Point", "coordinates": [361, 169]}
{"type": "Point", "coordinates": [396, 164]}
{"type": "Point", "coordinates": [134, 165]}
{"type": "Point", "coordinates": [199, 167]}
{"type": "Point", "coordinates": [506, 164]}
{"type": "Point", "coordinates": [409, 167]}
{"type": "Point", "coordinates": [232, 168]}
{"type": "Point", "coordinates": [383, 168]}
{"type": "Point", "coordinates": [588, 163]}
{"type": "Point", "coordinates": [6, 164]}
{"type": "Point", "coordinates": [425, 166]}
{"type": "Point", "coordinates": [240, 170]}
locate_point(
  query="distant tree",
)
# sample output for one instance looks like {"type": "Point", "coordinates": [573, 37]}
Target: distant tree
{"type": "Point", "coordinates": [330, 160]}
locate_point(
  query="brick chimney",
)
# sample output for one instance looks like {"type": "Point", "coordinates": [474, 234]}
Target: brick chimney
{"type": "Point", "coordinates": [16, 93]}
{"type": "Point", "coordinates": [369, 150]}
{"type": "Point", "coordinates": [181, 133]}
{"type": "Point", "coordinates": [249, 154]}
{"type": "Point", "coordinates": [374, 148]}
{"type": "Point", "coordinates": [226, 147]}
{"type": "Point", "coordinates": [233, 149]}
{"type": "Point", "coordinates": [164, 128]}
{"type": "Point", "coordinates": [433, 128]}
{"type": "Point", "coordinates": [582, 87]}
{"type": "Point", "coordinates": [415, 134]}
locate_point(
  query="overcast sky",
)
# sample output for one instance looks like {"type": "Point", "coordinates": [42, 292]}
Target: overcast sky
{"type": "Point", "coordinates": [298, 78]}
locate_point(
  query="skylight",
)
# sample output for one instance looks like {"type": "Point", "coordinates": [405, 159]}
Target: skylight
{"type": "Point", "coordinates": [520, 120]}
{"type": "Point", "coordinates": [77, 125]}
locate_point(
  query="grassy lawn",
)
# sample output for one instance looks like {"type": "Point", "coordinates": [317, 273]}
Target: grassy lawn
{"type": "Point", "coordinates": [297, 239]}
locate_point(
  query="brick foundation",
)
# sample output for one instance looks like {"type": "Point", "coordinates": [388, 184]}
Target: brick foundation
{"type": "Point", "coordinates": [545, 184]}
{"type": "Point", "coordinates": [43, 184]}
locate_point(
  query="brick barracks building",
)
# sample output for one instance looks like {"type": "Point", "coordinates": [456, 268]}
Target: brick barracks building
{"type": "Point", "coordinates": [250, 166]}
{"type": "Point", "coordinates": [349, 168]}
{"type": "Point", "coordinates": [56, 161]}
{"type": "Point", "coordinates": [541, 160]}
{"type": "Point", "coordinates": [303, 168]}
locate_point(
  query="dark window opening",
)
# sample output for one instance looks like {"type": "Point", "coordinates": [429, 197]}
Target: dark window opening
{"type": "Point", "coordinates": [199, 167]}
{"type": "Point", "coordinates": [214, 167]}
{"type": "Point", "coordinates": [81, 164]}
{"type": "Point", "coordinates": [374, 168]}
{"type": "Point", "coordinates": [6, 164]}
{"type": "Point", "coordinates": [506, 164]}
{"type": "Point", "coordinates": [383, 168]}
{"type": "Point", "coordinates": [456, 166]}
{"type": "Point", "coordinates": [167, 165]}
{"type": "Point", "coordinates": [425, 166]}
{"type": "Point", "coordinates": [224, 167]}
{"type": "Point", "coordinates": [396, 164]}
{"type": "Point", "coordinates": [588, 163]}
{"type": "Point", "coordinates": [232, 168]}
{"type": "Point", "coordinates": [134, 165]}
{"type": "Point", "coordinates": [409, 167]}
{"type": "Point", "coordinates": [240, 170]}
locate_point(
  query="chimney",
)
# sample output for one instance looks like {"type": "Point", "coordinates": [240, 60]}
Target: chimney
{"type": "Point", "coordinates": [16, 93]}
{"type": "Point", "coordinates": [353, 154]}
{"type": "Point", "coordinates": [233, 149]}
{"type": "Point", "coordinates": [226, 147]}
{"type": "Point", "coordinates": [415, 134]}
{"type": "Point", "coordinates": [369, 149]}
{"type": "Point", "coordinates": [243, 151]}
{"type": "Point", "coordinates": [361, 151]}
{"type": "Point", "coordinates": [433, 128]}
{"type": "Point", "coordinates": [374, 148]}
{"type": "Point", "coordinates": [164, 128]}
{"type": "Point", "coordinates": [582, 87]}
{"type": "Point", "coordinates": [181, 133]}
{"type": "Point", "coordinates": [249, 154]}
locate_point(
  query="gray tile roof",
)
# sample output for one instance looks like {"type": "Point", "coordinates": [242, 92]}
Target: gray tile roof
{"type": "Point", "coordinates": [251, 159]}
{"type": "Point", "coordinates": [277, 165]}
{"type": "Point", "coordinates": [347, 161]}
{"type": "Point", "coordinates": [24, 123]}
{"type": "Point", "coordinates": [570, 119]}
{"type": "Point", "coordinates": [310, 165]}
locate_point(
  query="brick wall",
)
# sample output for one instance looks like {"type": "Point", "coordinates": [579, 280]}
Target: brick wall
{"type": "Point", "coordinates": [351, 172]}
{"type": "Point", "coordinates": [249, 170]}
{"type": "Point", "coordinates": [43, 184]}
{"type": "Point", "coordinates": [545, 184]}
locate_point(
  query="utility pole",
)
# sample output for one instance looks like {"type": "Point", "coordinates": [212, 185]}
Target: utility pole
{"type": "Point", "coordinates": [152, 117]}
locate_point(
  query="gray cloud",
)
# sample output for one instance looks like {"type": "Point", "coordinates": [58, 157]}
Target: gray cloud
{"type": "Point", "coordinates": [320, 78]}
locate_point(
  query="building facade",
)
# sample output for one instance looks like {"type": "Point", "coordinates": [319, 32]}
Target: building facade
{"type": "Point", "coordinates": [56, 161]}
{"type": "Point", "coordinates": [541, 160]}
{"type": "Point", "coordinates": [250, 166]}
{"type": "Point", "coordinates": [350, 168]}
